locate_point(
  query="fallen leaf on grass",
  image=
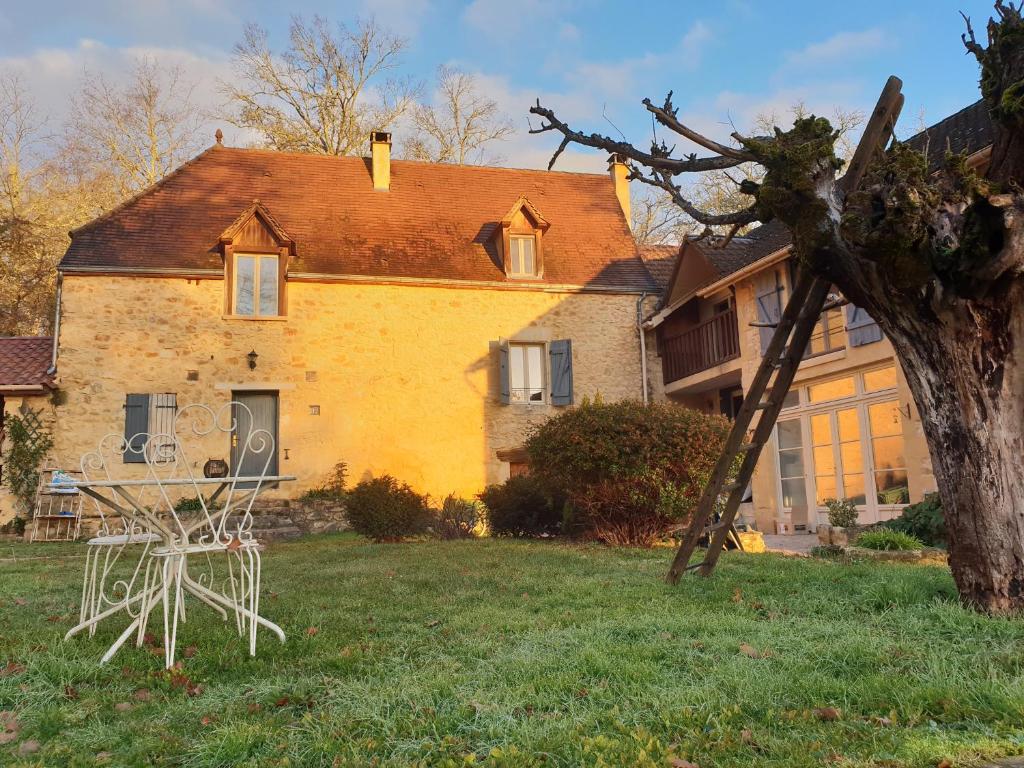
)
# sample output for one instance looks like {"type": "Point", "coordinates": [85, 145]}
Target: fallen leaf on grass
{"type": "Point", "coordinates": [142, 694]}
{"type": "Point", "coordinates": [8, 727]}
{"type": "Point", "coordinates": [678, 762]}
{"type": "Point", "coordinates": [12, 668]}
{"type": "Point", "coordinates": [70, 692]}
{"type": "Point", "coordinates": [828, 714]}
{"type": "Point", "coordinates": [433, 623]}
{"type": "Point", "coordinates": [747, 736]}
{"type": "Point", "coordinates": [254, 708]}
{"type": "Point", "coordinates": [945, 763]}
{"type": "Point", "coordinates": [664, 635]}
{"type": "Point", "coordinates": [737, 595]}
{"type": "Point", "coordinates": [752, 652]}
{"type": "Point", "coordinates": [190, 652]}
{"type": "Point", "coordinates": [282, 702]}
{"type": "Point", "coordinates": [122, 706]}
{"type": "Point", "coordinates": [28, 747]}
{"type": "Point", "coordinates": [55, 619]}
{"type": "Point", "coordinates": [206, 720]}
{"type": "Point", "coordinates": [20, 601]}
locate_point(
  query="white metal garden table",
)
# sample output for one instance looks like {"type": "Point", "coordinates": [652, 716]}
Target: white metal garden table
{"type": "Point", "coordinates": [219, 522]}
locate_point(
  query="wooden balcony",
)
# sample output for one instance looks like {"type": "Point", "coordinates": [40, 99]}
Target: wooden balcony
{"type": "Point", "coordinates": [704, 346]}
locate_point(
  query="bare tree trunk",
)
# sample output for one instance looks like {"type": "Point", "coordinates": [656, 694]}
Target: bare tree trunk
{"type": "Point", "coordinates": [967, 375]}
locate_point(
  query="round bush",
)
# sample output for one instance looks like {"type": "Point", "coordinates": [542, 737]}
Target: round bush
{"type": "Point", "coordinates": [521, 506]}
{"type": "Point", "coordinates": [631, 472]}
{"type": "Point", "coordinates": [888, 540]}
{"type": "Point", "coordinates": [383, 509]}
{"type": "Point", "coordinates": [842, 513]}
{"type": "Point", "coordinates": [457, 518]}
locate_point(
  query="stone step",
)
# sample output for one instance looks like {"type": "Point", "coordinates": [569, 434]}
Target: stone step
{"type": "Point", "coordinates": [280, 533]}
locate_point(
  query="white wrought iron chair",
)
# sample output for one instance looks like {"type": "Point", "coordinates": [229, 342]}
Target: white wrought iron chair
{"type": "Point", "coordinates": [222, 524]}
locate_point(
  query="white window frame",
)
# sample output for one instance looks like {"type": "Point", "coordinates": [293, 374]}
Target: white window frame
{"type": "Point", "coordinates": [543, 373]}
{"type": "Point", "coordinates": [871, 511]}
{"type": "Point", "coordinates": [258, 259]}
{"type": "Point", "coordinates": [512, 271]}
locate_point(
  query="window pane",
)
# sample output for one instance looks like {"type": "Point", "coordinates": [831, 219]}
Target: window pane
{"type": "Point", "coordinates": [852, 457]}
{"type": "Point", "coordinates": [526, 244]}
{"type": "Point", "coordinates": [885, 419]}
{"type": "Point", "coordinates": [826, 488]}
{"type": "Point", "coordinates": [535, 372]}
{"type": "Point", "coordinates": [791, 463]}
{"type": "Point", "coordinates": [517, 261]}
{"type": "Point", "coordinates": [792, 399]}
{"type": "Point", "coordinates": [821, 429]}
{"type": "Point", "coordinates": [849, 425]}
{"type": "Point", "coordinates": [836, 335]}
{"type": "Point", "coordinates": [268, 286]}
{"type": "Point", "coordinates": [853, 488]}
{"type": "Point", "coordinates": [794, 493]}
{"type": "Point", "coordinates": [883, 378]}
{"type": "Point", "coordinates": [824, 460]}
{"type": "Point", "coordinates": [789, 434]}
{"type": "Point", "coordinates": [888, 452]}
{"type": "Point", "coordinates": [245, 285]}
{"type": "Point", "coordinates": [517, 377]}
{"type": "Point", "coordinates": [892, 487]}
{"type": "Point", "coordinates": [831, 390]}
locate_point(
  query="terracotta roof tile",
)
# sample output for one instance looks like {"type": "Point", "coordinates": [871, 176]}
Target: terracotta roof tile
{"type": "Point", "coordinates": [660, 261]}
{"type": "Point", "coordinates": [24, 360]}
{"type": "Point", "coordinates": [436, 222]}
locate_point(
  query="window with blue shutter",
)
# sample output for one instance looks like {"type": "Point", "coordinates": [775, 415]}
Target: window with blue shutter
{"type": "Point", "coordinates": [136, 428]}
{"type": "Point", "coordinates": [860, 328]}
{"type": "Point", "coordinates": [505, 387]}
{"type": "Point", "coordinates": [560, 352]}
{"type": "Point", "coordinates": [769, 305]}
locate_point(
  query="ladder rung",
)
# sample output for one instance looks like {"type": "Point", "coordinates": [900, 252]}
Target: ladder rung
{"type": "Point", "coordinates": [763, 325]}
{"type": "Point", "coordinates": [765, 404]}
{"type": "Point", "coordinates": [731, 487]}
{"type": "Point", "coordinates": [748, 447]}
{"type": "Point", "coordinates": [715, 527]}
{"type": "Point", "coordinates": [693, 566]}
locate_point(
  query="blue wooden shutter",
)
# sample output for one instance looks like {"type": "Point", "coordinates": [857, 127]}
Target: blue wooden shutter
{"type": "Point", "coordinates": [561, 372]}
{"type": "Point", "coordinates": [860, 328]}
{"type": "Point", "coordinates": [769, 306]}
{"type": "Point", "coordinates": [136, 426]}
{"type": "Point", "coordinates": [503, 373]}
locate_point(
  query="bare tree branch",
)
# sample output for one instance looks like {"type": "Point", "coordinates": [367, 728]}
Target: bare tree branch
{"type": "Point", "coordinates": [659, 157]}
{"type": "Point", "coordinates": [666, 115]}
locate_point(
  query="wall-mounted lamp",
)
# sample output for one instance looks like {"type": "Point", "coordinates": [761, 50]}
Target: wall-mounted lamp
{"type": "Point", "coordinates": [251, 357]}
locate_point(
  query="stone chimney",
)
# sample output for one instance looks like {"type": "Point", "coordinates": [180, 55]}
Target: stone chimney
{"type": "Point", "coordinates": [380, 153]}
{"type": "Point", "coordinates": [619, 172]}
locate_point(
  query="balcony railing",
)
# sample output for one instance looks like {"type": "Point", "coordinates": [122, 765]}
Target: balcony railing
{"type": "Point", "coordinates": [704, 346]}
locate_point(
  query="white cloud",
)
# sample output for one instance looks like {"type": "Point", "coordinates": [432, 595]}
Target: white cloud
{"type": "Point", "coordinates": [838, 48]}
{"type": "Point", "coordinates": [403, 17]}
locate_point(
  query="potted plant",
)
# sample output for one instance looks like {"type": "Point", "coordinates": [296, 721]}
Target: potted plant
{"type": "Point", "coordinates": [842, 516]}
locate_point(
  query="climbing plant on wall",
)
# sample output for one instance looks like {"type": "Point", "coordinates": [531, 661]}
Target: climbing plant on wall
{"type": "Point", "coordinates": [28, 442]}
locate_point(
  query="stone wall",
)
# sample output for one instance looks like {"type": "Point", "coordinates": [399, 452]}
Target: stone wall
{"type": "Point", "coordinates": [405, 377]}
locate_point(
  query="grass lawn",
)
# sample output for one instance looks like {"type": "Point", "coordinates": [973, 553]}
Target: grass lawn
{"type": "Point", "coordinates": [516, 654]}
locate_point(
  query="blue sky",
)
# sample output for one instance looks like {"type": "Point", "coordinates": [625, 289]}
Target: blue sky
{"type": "Point", "coordinates": [726, 60]}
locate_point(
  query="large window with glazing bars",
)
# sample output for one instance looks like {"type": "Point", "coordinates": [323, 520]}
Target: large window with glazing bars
{"type": "Point", "coordinates": [256, 283]}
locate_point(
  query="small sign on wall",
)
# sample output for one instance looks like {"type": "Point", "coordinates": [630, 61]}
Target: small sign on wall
{"type": "Point", "coordinates": [314, 410]}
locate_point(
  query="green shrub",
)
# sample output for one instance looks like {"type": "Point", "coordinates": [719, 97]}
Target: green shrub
{"type": "Point", "coordinates": [630, 472]}
{"type": "Point", "coordinates": [382, 509]}
{"type": "Point", "coordinates": [333, 488]}
{"type": "Point", "coordinates": [923, 520]}
{"type": "Point", "coordinates": [522, 506]}
{"type": "Point", "coordinates": [458, 518]}
{"type": "Point", "coordinates": [827, 552]}
{"type": "Point", "coordinates": [888, 540]}
{"type": "Point", "coordinates": [842, 513]}
{"type": "Point", "coordinates": [189, 504]}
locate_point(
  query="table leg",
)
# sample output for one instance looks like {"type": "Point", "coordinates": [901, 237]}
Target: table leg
{"type": "Point", "coordinates": [196, 588]}
{"type": "Point", "coordinates": [123, 605]}
{"type": "Point", "coordinates": [130, 629]}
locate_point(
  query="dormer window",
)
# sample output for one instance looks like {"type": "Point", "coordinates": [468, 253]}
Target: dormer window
{"type": "Point", "coordinates": [523, 256]}
{"type": "Point", "coordinates": [256, 256]}
{"type": "Point", "coordinates": [519, 241]}
{"type": "Point", "coordinates": [256, 285]}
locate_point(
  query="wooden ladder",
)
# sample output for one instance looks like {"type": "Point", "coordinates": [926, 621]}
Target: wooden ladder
{"type": "Point", "coordinates": [808, 299]}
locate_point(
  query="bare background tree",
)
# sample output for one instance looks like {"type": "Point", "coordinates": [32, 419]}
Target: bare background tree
{"type": "Point", "coordinates": [460, 124]}
{"type": "Point", "coordinates": [937, 259]}
{"type": "Point", "coordinates": [127, 137]}
{"type": "Point", "coordinates": [325, 92]}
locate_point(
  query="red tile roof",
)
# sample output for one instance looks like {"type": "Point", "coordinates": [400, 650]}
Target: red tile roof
{"type": "Point", "coordinates": [436, 222]}
{"type": "Point", "coordinates": [24, 360]}
{"type": "Point", "coordinates": [660, 261]}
